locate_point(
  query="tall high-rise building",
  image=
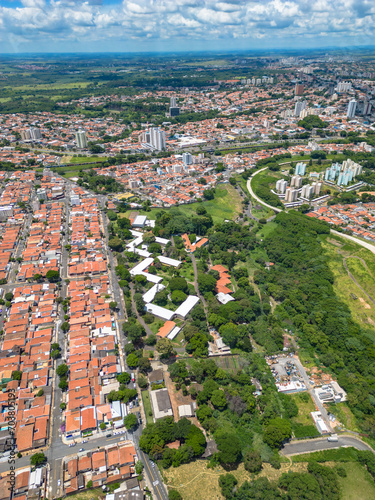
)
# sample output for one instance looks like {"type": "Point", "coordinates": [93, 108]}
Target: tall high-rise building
{"type": "Point", "coordinates": [187, 158]}
{"type": "Point", "coordinates": [25, 135]}
{"type": "Point", "coordinates": [81, 139]}
{"type": "Point", "coordinates": [298, 89]}
{"type": "Point", "coordinates": [157, 138]}
{"type": "Point", "coordinates": [174, 110]}
{"type": "Point", "coordinates": [300, 106]}
{"type": "Point", "coordinates": [281, 186]}
{"type": "Point", "coordinates": [307, 191]}
{"type": "Point", "coordinates": [366, 108]}
{"type": "Point", "coordinates": [35, 134]}
{"type": "Point", "coordinates": [291, 195]}
{"type": "Point", "coordinates": [352, 106]}
{"type": "Point", "coordinates": [296, 181]}
{"type": "Point", "coordinates": [300, 169]}
{"type": "Point", "coordinates": [343, 86]}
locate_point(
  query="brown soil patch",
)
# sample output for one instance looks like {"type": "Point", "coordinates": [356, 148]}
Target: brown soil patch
{"type": "Point", "coordinates": [366, 305]}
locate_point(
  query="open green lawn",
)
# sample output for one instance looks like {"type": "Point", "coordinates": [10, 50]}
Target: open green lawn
{"type": "Point", "coordinates": [147, 406]}
{"type": "Point", "coordinates": [227, 204]}
{"type": "Point", "coordinates": [93, 494]}
{"type": "Point", "coordinates": [51, 86]}
{"type": "Point", "coordinates": [83, 159]}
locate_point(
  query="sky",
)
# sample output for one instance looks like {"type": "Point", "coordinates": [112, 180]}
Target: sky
{"type": "Point", "coordinates": [183, 25]}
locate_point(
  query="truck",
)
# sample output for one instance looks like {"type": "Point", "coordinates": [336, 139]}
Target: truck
{"type": "Point", "coordinates": [333, 437]}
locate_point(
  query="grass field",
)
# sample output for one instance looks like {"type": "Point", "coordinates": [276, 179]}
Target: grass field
{"type": "Point", "coordinates": [227, 204]}
{"type": "Point", "coordinates": [51, 86]}
{"type": "Point", "coordinates": [358, 485]}
{"type": "Point", "coordinates": [83, 159]}
{"type": "Point", "coordinates": [305, 407]}
{"type": "Point", "coordinates": [147, 406]}
{"type": "Point", "coordinates": [362, 309]}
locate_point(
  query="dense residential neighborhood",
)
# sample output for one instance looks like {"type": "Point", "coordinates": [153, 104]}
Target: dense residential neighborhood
{"type": "Point", "coordinates": [186, 280]}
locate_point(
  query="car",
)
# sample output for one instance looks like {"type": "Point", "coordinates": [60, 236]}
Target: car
{"type": "Point", "coordinates": [152, 463]}
{"type": "Point", "coordinates": [333, 437]}
{"type": "Point", "coordinates": [108, 435]}
{"type": "Point", "coordinates": [84, 441]}
{"type": "Point", "coordinates": [59, 482]}
{"type": "Point", "coordinates": [81, 449]}
{"type": "Point", "coordinates": [130, 405]}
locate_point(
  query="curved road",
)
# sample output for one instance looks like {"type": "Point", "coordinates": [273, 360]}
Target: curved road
{"type": "Point", "coordinates": [255, 196]}
{"type": "Point", "coordinates": [300, 447]}
{"type": "Point", "coordinates": [364, 244]}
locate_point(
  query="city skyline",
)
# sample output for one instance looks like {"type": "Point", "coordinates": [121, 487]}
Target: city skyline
{"type": "Point", "coordinates": [47, 26]}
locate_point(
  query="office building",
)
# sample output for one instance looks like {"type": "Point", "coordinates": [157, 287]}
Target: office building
{"type": "Point", "coordinates": [296, 181]}
{"type": "Point", "coordinates": [300, 106]}
{"type": "Point", "coordinates": [174, 110]}
{"type": "Point", "coordinates": [187, 158]}
{"type": "Point", "coordinates": [81, 139]}
{"type": "Point", "coordinates": [300, 169]}
{"type": "Point", "coordinates": [352, 106]}
{"type": "Point", "coordinates": [298, 89]}
{"type": "Point", "coordinates": [281, 186]}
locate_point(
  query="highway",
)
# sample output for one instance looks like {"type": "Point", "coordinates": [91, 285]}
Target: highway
{"type": "Point", "coordinates": [311, 445]}
{"type": "Point", "coordinates": [250, 189]}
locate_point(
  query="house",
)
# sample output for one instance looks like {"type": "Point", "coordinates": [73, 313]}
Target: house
{"type": "Point", "coordinates": [156, 377]}
{"type": "Point", "coordinates": [161, 403]}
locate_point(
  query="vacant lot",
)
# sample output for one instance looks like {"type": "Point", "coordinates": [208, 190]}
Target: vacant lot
{"type": "Point", "coordinates": [194, 480]}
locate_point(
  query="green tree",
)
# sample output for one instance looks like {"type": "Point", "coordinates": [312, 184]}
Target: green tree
{"type": "Point", "coordinates": [253, 461]}
{"type": "Point", "coordinates": [218, 399]}
{"type": "Point", "coordinates": [132, 360]}
{"type": "Point", "coordinates": [139, 467]}
{"type": "Point", "coordinates": [164, 347]}
{"type": "Point", "coordinates": [130, 421]}
{"type": "Point", "coordinates": [38, 459]}
{"type": "Point", "coordinates": [277, 431]}
{"type": "Point", "coordinates": [65, 327]}
{"type": "Point", "coordinates": [178, 296]}
{"type": "Point", "coordinates": [174, 495]}
{"type": "Point", "coordinates": [227, 483]}
{"type": "Point", "coordinates": [9, 296]}
{"type": "Point", "coordinates": [178, 283]}
{"type": "Point", "coordinates": [53, 276]}
{"type": "Point", "coordinates": [62, 370]}
{"type": "Point", "coordinates": [229, 448]}
{"type": "Point", "coordinates": [115, 244]}
{"type": "Point", "coordinates": [206, 283]}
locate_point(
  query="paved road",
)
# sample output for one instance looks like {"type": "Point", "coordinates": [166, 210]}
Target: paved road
{"type": "Point", "coordinates": [312, 393]}
{"type": "Point", "coordinates": [255, 196]}
{"type": "Point", "coordinates": [299, 447]}
{"type": "Point", "coordinates": [364, 244]}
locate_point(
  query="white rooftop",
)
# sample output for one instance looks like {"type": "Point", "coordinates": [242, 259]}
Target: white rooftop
{"type": "Point", "coordinates": [150, 294]}
{"type": "Point", "coordinates": [168, 261]}
{"type": "Point", "coordinates": [184, 309]}
{"type": "Point", "coordinates": [224, 298]}
{"type": "Point", "coordinates": [139, 268]}
{"type": "Point", "coordinates": [159, 311]}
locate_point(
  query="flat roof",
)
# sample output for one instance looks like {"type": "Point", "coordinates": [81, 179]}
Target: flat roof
{"type": "Point", "coordinates": [188, 304]}
{"type": "Point", "coordinates": [168, 261]}
{"type": "Point", "coordinates": [139, 268]}
{"type": "Point", "coordinates": [159, 311]}
{"type": "Point", "coordinates": [150, 294]}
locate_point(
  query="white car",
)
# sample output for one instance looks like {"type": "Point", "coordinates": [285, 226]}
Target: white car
{"type": "Point", "coordinates": [59, 482]}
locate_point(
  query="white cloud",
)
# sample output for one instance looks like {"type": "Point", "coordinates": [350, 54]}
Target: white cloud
{"type": "Point", "coordinates": [58, 21]}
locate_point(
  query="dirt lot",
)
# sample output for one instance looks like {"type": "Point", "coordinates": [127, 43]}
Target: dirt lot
{"type": "Point", "coordinates": [177, 398]}
{"type": "Point", "coordinates": [194, 480]}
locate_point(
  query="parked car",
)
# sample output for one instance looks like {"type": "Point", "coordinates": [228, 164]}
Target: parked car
{"type": "Point", "coordinates": [81, 449]}
{"type": "Point", "coordinates": [59, 482]}
{"type": "Point", "coordinates": [108, 435]}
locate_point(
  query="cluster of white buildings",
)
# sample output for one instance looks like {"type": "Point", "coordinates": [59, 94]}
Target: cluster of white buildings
{"type": "Point", "coordinates": [344, 172]}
